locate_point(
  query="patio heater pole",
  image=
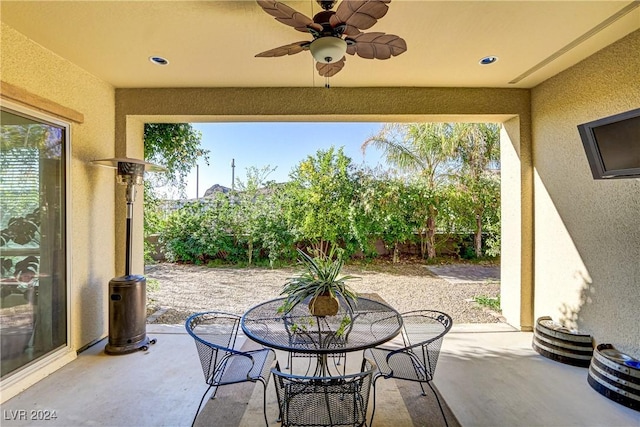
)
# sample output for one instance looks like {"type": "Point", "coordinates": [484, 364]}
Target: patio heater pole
{"type": "Point", "coordinates": [127, 294]}
{"type": "Point", "coordinates": [129, 173]}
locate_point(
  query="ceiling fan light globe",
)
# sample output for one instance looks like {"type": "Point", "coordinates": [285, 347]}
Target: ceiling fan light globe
{"type": "Point", "coordinates": [328, 49]}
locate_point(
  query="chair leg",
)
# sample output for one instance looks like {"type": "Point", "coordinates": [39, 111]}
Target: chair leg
{"type": "Point", "coordinates": [264, 401]}
{"type": "Point", "coordinates": [437, 400]}
{"type": "Point", "coordinates": [213, 395]}
{"type": "Point", "coordinates": [422, 388]}
{"type": "Point", "coordinates": [277, 394]}
{"type": "Point", "coordinates": [201, 400]}
{"type": "Point", "coordinates": [373, 409]}
{"type": "Point", "coordinates": [337, 363]}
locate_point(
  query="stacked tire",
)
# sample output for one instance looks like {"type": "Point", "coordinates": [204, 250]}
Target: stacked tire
{"type": "Point", "coordinates": [616, 376]}
{"type": "Point", "coordinates": [554, 341]}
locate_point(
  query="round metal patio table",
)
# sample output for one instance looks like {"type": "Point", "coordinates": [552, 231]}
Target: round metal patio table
{"type": "Point", "coordinates": [370, 324]}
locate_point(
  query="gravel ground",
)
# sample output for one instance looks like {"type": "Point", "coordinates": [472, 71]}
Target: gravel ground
{"type": "Point", "coordinates": [175, 291]}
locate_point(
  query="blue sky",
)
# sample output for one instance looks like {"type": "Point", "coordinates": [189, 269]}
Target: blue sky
{"type": "Point", "coordinates": [280, 145]}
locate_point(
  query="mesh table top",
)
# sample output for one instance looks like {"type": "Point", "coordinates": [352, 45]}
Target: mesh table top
{"type": "Point", "coordinates": [370, 324]}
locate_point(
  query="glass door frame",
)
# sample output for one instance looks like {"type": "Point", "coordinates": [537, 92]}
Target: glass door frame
{"type": "Point", "coordinates": [35, 369]}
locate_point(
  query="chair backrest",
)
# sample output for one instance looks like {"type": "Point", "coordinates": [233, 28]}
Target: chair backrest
{"type": "Point", "coordinates": [215, 335]}
{"type": "Point", "coordinates": [422, 331]}
{"type": "Point", "coordinates": [324, 401]}
{"type": "Point", "coordinates": [318, 332]}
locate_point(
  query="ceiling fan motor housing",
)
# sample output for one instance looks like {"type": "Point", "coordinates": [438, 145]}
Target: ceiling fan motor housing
{"type": "Point", "coordinates": [327, 4]}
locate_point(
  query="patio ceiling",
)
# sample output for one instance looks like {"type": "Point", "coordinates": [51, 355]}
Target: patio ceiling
{"type": "Point", "coordinates": [213, 43]}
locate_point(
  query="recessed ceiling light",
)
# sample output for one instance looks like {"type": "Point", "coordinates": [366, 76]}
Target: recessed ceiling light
{"type": "Point", "coordinates": [488, 60]}
{"type": "Point", "coordinates": [158, 60]}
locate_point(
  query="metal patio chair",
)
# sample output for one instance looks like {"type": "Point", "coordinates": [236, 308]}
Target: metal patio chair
{"type": "Point", "coordinates": [301, 337]}
{"type": "Point", "coordinates": [324, 401]}
{"type": "Point", "coordinates": [215, 337]}
{"type": "Point", "coordinates": [415, 356]}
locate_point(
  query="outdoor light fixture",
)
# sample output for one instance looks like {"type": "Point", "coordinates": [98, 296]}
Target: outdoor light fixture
{"type": "Point", "coordinates": [328, 49]}
{"type": "Point", "coordinates": [158, 60]}
{"type": "Point", "coordinates": [127, 294]}
{"type": "Point", "coordinates": [487, 60]}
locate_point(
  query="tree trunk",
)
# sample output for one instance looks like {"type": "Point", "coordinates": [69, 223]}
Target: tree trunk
{"type": "Point", "coordinates": [396, 253]}
{"type": "Point", "coordinates": [423, 244]}
{"type": "Point", "coordinates": [431, 238]}
{"type": "Point", "coordinates": [477, 239]}
{"type": "Point", "coordinates": [320, 248]}
{"type": "Point", "coordinates": [431, 233]}
{"type": "Point", "coordinates": [250, 252]}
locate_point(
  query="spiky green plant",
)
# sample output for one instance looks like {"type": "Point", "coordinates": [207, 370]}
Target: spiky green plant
{"type": "Point", "coordinates": [320, 275]}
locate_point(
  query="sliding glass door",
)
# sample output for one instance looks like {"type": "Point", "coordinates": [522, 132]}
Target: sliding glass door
{"type": "Point", "coordinates": [33, 253]}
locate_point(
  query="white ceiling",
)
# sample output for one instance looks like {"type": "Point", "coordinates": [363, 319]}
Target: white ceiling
{"type": "Point", "coordinates": [213, 43]}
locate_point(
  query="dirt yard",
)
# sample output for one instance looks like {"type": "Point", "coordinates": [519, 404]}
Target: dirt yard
{"type": "Point", "coordinates": [175, 291]}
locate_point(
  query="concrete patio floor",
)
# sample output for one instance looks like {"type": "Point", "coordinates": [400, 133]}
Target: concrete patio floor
{"type": "Point", "coordinates": [487, 373]}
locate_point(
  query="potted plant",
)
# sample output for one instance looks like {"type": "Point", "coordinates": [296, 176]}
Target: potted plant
{"type": "Point", "coordinates": [320, 283]}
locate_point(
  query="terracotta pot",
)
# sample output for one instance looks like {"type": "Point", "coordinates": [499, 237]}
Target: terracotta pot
{"type": "Point", "coordinates": [324, 305]}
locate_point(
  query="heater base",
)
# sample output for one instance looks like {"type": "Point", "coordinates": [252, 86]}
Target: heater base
{"type": "Point", "coordinates": [127, 315]}
{"type": "Point", "coordinates": [142, 345]}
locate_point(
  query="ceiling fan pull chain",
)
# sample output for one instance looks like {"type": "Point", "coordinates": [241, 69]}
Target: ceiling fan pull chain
{"type": "Point", "coordinates": [326, 82]}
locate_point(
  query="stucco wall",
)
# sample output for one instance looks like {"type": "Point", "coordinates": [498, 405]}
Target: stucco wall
{"type": "Point", "coordinates": [511, 223]}
{"type": "Point", "coordinates": [28, 66]}
{"type": "Point", "coordinates": [587, 232]}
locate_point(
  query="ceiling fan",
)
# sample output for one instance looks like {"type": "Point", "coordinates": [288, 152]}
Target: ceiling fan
{"type": "Point", "coordinates": [336, 33]}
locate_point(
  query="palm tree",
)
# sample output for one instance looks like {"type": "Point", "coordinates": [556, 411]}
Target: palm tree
{"type": "Point", "coordinates": [422, 151]}
{"type": "Point", "coordinates": [477, 150]}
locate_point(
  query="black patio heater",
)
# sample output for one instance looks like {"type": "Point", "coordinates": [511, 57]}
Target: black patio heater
{"type": "Point", "coordinates": [128, 293]}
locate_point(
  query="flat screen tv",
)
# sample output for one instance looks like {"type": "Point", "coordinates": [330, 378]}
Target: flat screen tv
{"type": "Point", "coordinates": [612, 145]}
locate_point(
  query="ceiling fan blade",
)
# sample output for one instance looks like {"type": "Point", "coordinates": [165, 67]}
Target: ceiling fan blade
{"type": "Point", "coordinates": [377, 45]}
{"type": "Point", "coordinates": [359, 15]}
{"type": "Point", "coordinates": [288, 49]}
{"type": "Point", "coordinates": [330, 70]}
{"type": "Point", "coordinates": [288, 15]}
